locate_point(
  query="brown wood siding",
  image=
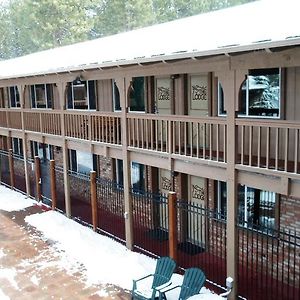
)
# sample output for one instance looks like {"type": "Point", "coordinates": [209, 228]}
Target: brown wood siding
{"type": "Point", "coordinates": [292, 101]}
{"type": "Point", "coordinates": [105, 98]}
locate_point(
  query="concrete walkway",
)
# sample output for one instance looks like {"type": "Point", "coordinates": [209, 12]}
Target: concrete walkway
{"type": "Point", "coordinates": [30, 269]}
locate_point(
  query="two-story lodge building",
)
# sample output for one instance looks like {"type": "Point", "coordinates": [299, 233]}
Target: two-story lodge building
{"type": "Point", "coordinates": [206, 106]}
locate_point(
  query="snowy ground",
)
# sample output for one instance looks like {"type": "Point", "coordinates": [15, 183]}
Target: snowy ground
{"type": "Point", "coordinates": [99, 258]}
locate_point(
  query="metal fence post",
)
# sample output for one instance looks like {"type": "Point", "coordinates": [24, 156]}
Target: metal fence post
{"type": "Point", "coordinates": [94, 200]}
{"type": "Point", "coordinates": [53, 183]}
{"type": "Point", "coordinates": [38, 179]}
{"type": "Point", "coordinates": [11, 168]}
{"type": "Point", "coordinates": [172, 201]}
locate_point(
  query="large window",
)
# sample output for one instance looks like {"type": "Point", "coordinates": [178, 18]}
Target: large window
{"type": "Point", "coordinates": [137, 94]}
{"type": "Point", "coordinates": [82, 95]}
{"type": "Point", "coordinates": [81, 162]}
{"type": "Point", "coordinates": [43, 151]}
{"type": "Point", "coordinates": [138, 177]}
{"type": "Point", "coordinates": [260, 94]}
{"type": "Point", "coordinates": [13, 97]}
{"type": "Point", "coordinates": [119, 172]}
{"type": "Point", "coordinates": [41, 95]}
{"type": "Point", "coordinates": [17, 146]}
{"type": "Point", "coordinates": [256, 208]}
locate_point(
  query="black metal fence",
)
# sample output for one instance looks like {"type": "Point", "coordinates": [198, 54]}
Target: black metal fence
{"type": "Point", "coordinates": [269, 263]}
{"type": "Point", "coordinates": [202, 240]}
{"type": "Point", "coordinates": [80, 197]}
{"type": "Point", "coordinates": [110, 204]}
{"type": "Point", "coordinates": [150, 222]}
{"type": "Point", "coordinates": [4, 168]}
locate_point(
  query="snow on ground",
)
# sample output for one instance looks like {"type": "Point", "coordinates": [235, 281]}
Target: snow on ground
{"type": "Point", "coordinates": [100, 259]}
{"type": "Point", "coordinates": [2, 254]}
{"type": "Point", "coordinates": [3, 296]}
{"type": "Point", "coordinates": [13, 201]}
{"type": "Point", "coordinates": [10, 275]}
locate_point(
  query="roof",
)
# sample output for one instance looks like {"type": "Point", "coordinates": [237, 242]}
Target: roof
{"type": "Point", "coordinates": [256, 25]}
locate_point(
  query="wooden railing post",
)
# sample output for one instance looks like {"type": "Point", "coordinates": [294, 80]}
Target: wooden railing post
{"type": "Point", "coordinates": [11, 168]}
{"type": "Point", "coordinates": [172, 202]}
{"type": "Point", "coordinates": [38, 179]}
{"type": "Point", "coordinates": [53, 183]}
{"type": "Point", "coordinates": [94, 200]}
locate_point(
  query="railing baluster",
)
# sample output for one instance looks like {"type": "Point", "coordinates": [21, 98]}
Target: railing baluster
{"type": "Point", "coordinates": [250, 144]}
{"type": "Point", "coordinates": [286, 149]}
{"type": "Point", "coordinates": [218, 142]}
{"type": "Point", "coordinates": [258, 146]}
{"type": "Point", "coordinates": [210, 141]}
{"type": "Point", "coordinates": [296, 151]}
{"type": "Point", "coordinates": [276, 148]}
{"type": "Point", "coordinates": [268, 147]}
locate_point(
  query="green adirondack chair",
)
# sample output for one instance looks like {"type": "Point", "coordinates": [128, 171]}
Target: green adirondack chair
{"type": "Point", "coordinates": [193, 281]}
{"type": "Point", "coordinates": [165, 267]}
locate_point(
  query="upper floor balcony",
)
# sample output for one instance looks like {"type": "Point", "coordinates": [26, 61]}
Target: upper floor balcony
{"type": "Point", "coordinates": [270, 145]}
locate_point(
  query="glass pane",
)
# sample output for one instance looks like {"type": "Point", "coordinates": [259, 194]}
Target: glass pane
{"type": "Point", "coordinates": [84, 162]}
{"type": "Point", "coordinates": [49, 95]}
{"type": "Point", "coordinates": [137, 94]}
{"type": "Point", "coordinates": [70, 96]}
{"type": "Point", "coordinates": [137, 177]}
{"type": "Point", "coordinates": [264, 92]}
{"type": "Point", "coordinates": [116, 97]}
{"type": "Point", "coordinates": [40, 96]}
{"type": "Point", "coordinates": [92, 94]}
{"type": "Point", "coordinates": [12, 96]}
{"type": "Point", "coordinates": [32, 94]}
{"type": "Point", "coordinates": [80, 96]}
{"type": "Point", "coordinates": [221, 107]}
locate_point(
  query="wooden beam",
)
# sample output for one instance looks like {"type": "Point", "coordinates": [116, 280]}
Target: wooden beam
{"type": "Point", "coordinates": [172, 210]}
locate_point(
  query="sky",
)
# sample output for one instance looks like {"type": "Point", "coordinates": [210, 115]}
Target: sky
{"type": "Point", "coordinates": [118, 265]}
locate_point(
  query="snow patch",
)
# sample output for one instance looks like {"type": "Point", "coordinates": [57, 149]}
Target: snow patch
{"type": "Point", "coordinates": [10, 275]}
{"type": "Point", "coordinates": [35, 280]}
{"type": "Point", "coordinates": [2, 254]}
{"type": "Point", "coordinates": [3, 296]}
{"type": "Point", "coordinates": [13, 201]}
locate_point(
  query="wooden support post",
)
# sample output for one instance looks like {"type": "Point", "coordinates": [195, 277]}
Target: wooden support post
{"type": "Point", "coordinates": [38, 179]}
{"type": "Point", "coordinates": [172, 225]}
{"type": "Point", "coordinates": [123, 86]}
{"type": "Point", "coordinates": [53, 183]}
{"type": "Point", "coordinates": [11, 168]}
{"type": "Point", "coordinates": [94, 200]}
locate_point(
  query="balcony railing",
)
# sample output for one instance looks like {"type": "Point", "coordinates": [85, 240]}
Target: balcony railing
{"type": "Point", "coordinates": [271, 145]}
{"type": "Point", "coordinates": [203, 138]}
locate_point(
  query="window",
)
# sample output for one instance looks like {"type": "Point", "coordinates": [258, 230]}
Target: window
{"type": "Point", "coordinates": [260, 94]}
{"type": "Point", "coordinates": [41, 96]}
{"type": "Point", "coordinates": [43, 151]}
{"type": "Point", "coordinates": [81, 95]}
{"type": "Point", "coordinates": [116, 96]}
{"type": "Point", "coordinates": [137, 94]}
{"type": "Point", "coordinates": [222, 200]}
{"type": "Point", "coordinates": [81, 162]}
{"type": "Point", "coordinates": [256, 208]}
{"type": "Point", "coordinates": [17, 146]}
{"type": "Point", "coordinates": [137, 177]}
{"type": "Point", "coordinates": [221, 105]}
{"type": "Point", "coordinates": [119, 172]}
{"type": "Point", "coordinates": [13, 97]}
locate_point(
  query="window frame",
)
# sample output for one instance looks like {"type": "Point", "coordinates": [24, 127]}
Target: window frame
{"type": "Point", "coordinates": [47, 101]}
{"type": "Point", "coordinates": [16, 95]}
{"type": "Point", "coordinates": [247, 115]}
{"type": "Point", "coordinates": [114, 88]}
{"type": "Point", "coordinates": [145, 96]}
{"type": "Point", "coordinates": [71, 86]}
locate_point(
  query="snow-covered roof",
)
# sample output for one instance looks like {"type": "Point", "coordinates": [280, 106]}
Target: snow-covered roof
{"type": "Point", "coordinates": [257, 25]}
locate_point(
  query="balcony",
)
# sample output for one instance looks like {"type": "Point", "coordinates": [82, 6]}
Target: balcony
{"type": "Point", "coordinates": [261, 144]}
